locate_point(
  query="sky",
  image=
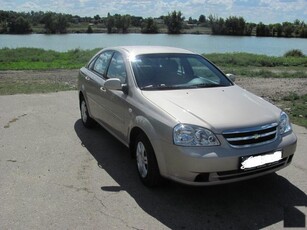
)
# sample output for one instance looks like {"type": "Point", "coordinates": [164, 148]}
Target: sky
{"type": "Point", "coordinates": [266, 11]}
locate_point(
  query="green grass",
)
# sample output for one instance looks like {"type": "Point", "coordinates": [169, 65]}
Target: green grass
{"type": "Point", "coordinates": [255, 65]}
{"type": "Point", "coordinates": [39, 59]}
{"type": "Point", "coordinates": [242, 63]}
{"type": "Point", "coordinates": [255, 60]}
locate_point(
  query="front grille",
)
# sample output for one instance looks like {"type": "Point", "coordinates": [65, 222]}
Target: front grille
{"type": "Point", "coordinates": [251, 136]}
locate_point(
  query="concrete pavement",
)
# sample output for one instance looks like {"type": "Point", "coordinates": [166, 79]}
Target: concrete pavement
{"type": "Point", "coordinates": [55, 174]}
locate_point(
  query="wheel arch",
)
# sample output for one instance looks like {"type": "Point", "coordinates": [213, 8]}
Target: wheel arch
{"type": "Point", "coordinates": [142, 125]}
{"type": "Point", "coordinates": [133, 135]}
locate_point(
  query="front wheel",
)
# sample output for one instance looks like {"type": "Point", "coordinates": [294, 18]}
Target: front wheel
{"type": "Point", "coordinates": [146, 161]}
{"type": "Point", "coordinates": [87, 121]}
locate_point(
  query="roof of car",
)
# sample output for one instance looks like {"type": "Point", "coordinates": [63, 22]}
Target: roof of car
{"type": "Point", "coordinates": [137, 50]}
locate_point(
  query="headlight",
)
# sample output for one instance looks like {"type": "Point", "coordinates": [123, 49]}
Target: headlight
{"type": "Point", "coordinates": [190, 135]}
{"type": "Point", "coordinates": [284, 123]}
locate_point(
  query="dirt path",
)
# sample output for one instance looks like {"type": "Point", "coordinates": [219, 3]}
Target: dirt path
{"type": "Point", "coordinates": [271, 88]}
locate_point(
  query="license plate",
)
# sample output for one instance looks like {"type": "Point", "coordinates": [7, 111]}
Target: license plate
{"type": "Point", "coordinates": [260, 160]}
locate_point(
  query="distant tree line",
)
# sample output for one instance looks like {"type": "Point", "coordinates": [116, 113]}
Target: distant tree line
{"type": "Point", "coordinates": [22, 23]}
{"type": "Point", "coordinates": [285, 29]}
{"type": "Point", "coordinates": [56, 23]}
{"type": "Point", "coordinates": [230, 26]}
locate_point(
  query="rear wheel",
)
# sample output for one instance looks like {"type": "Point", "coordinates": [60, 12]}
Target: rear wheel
{"type": "Point", "coordinates": [146, 161]}
{"type": "Point", "coordinates": [87, 121]}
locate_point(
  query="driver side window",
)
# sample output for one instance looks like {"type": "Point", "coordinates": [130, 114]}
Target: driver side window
{"type": "Point", "coordinates": [102, 62]}
{"type": "Point", "coordinates": [117, 68]}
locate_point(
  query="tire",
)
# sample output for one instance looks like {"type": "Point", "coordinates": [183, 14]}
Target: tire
{"type": "Point", "coordinates": [87, 121]}
{"type": "Point", "coordinates": [146, 162]}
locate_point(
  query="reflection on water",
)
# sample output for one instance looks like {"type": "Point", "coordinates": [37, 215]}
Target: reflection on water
{"type": "Point", "coordinates": [198, 43]}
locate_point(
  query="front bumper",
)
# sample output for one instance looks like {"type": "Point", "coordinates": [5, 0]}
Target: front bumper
{"type": "Point", "coordinates": [220, 164]}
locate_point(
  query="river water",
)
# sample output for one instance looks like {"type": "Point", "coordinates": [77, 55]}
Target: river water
{"type": "Point", "coordinates": [197, 43]}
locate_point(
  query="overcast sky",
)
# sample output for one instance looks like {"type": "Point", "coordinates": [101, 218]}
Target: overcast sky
{"type": "Point", "coordinates": [267, 11]}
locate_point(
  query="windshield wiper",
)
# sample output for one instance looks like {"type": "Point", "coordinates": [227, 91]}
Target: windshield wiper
{"type": "Point", "coordinates": [147, 87]}
{"type": "Point", "coordinates": [206, 85]}
{"type": "Point", "coordinates": [161, 87]}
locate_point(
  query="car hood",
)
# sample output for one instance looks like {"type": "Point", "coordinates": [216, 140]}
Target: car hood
{"type": "Point", "coordinates": [218, 108]}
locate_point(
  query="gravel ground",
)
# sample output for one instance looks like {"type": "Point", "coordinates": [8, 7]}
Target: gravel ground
{"type": "Point", "coordinates": [272, 89]}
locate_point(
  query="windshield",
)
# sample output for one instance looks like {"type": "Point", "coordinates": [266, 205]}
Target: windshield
{"type": "Point", "coordinates": [175, 71]}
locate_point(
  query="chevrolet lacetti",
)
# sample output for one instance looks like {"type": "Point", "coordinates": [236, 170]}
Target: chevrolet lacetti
{"type": "Point", "coordinates": [182, 117]}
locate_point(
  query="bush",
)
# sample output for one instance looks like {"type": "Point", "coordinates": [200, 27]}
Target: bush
{"type": "Point", "coordinates": [294, 53]}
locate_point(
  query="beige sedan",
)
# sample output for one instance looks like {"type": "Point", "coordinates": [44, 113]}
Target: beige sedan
{"type": "Point", "coordinates": [183, 118]}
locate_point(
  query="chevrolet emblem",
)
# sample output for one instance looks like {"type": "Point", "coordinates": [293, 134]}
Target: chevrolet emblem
{"type": "Point", "coordinates": [256, 136]}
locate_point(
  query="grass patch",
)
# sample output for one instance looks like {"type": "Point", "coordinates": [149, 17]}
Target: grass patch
{"type": "Point", "coordinates": [255, 60]}
{"type": "Point", "coordinates": [296, 106]}
{"type": "Point", "coordinates": [243, 63]}
{"type": "Point", "coordinates": [39, 59]}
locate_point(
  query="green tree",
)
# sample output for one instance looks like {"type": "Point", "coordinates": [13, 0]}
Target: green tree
{"type": "Point", "coordinates": [89, 30]}
{"type": "Point", "coordinates": [218, 26]}
{"type": "Point", "coordinates": [287, 28]}
{"type": "Point", "coordinates": [61, 23]}
{"type": "Point", "coordinates": [212, 19]}
{"type": "Point", "coordinates": [109, 22]}
{"type": "Point", "coordinates": [249, 28]}
{"type": "Point", "coordinates": [126, 20]}
{"type": "Point", "coordinates": [3, 27]}
{"type": "Point", "coordinates": [122, 22]}
{"type": "Point", "coordinates": [202, 19]}
{"type": "Point", "coordinates": [20, 26]}
{"type": "Point", "coordinates": [55, 23]}
{"type": "Point", "coordinates": [277, 30]}
{"type": "Point", "coordinates": [303, 32]}
{"type": "Point", "coordinates": [136, 21]}
{"type": "Point", "coordinates": [48, 20]}
{"type": "Point", "coordinates": [174, 22]}
{"type": "Point", "coordinates": [192, 21]}
{"type": "Point", "coordinates": [235, 26]}
{"type": "Point", "coordinates": [262, 30]}
{"type": "Point", "coordinates": [97, 19]}
{"type": "Point", "coordinates": [118, 21]}
{"type": "Point", "coordinates": [149, 26]}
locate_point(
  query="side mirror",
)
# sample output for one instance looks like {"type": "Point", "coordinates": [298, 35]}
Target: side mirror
{"type": "Point", "coordinates": [231, 76]}
{"type": "Point", "coordinates": [113, 84]}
